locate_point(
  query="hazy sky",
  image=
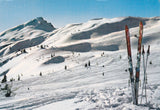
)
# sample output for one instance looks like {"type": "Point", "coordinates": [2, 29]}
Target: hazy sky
{"type": "Point", "coordinates": [62, 12]}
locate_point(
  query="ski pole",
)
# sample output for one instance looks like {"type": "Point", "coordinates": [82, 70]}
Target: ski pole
{"type": "Point", "coordinates": [143, 52]}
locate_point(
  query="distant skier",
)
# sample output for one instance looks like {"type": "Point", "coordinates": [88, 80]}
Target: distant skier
{"type": "Point", "coordinates": [4, 79]}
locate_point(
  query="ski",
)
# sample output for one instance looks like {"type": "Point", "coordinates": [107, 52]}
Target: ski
{"type": "Point", "coordinates": [138, 62]}
{"type": "Point", "coordinates": [130, 63]}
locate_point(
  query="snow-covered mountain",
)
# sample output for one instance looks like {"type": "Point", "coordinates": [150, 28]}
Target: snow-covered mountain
{"type": "Point", "coordinates": [25, 35]}
{"type": "Point", "coordinates": [60, 55]}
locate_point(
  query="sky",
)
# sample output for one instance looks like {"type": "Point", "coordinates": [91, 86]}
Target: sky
{"type": "Point", "coordinates": [62, 12]}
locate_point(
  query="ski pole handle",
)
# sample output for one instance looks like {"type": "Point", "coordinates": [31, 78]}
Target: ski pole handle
{"type": "Point", "coordinates": [148, 51]}
{"type": "Point", "coordinates": [143, 50]}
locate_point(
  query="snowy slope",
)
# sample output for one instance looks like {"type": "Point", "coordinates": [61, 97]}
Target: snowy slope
{"type": "Point", "coordinates": [103, 85]}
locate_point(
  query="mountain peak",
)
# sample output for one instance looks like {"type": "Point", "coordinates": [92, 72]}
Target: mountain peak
{"type": "Point", "coordinates": [37, 23]}
{"type": "Point", "coordinates": [40, 23]}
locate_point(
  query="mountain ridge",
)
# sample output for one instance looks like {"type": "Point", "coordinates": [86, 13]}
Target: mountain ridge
{"type": "Point", "coordinates": [92, 33]}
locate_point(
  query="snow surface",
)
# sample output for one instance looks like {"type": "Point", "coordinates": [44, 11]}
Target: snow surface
{"type": "Point", "coordinates": [103, 85]}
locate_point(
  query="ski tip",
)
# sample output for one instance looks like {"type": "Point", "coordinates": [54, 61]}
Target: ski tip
{"type": "Point", "coordinates": [126, 27]}
{"type": "Point", "coordinates": [140, 23]}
